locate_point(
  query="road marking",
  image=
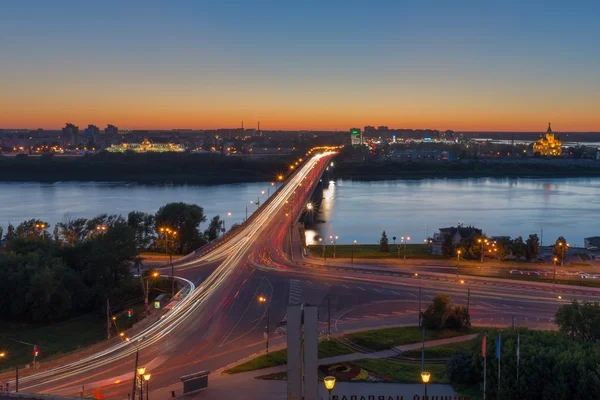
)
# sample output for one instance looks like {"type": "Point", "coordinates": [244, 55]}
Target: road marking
{"type": "Point", "coordinates": [309, 282]}
{"type": "Point", "coordinates": [327, 284]}
{"type": "Point", "coordinates": [487, 304]}
{"type": "Point", "coordinates": [353, 319]}
{"type": "Point", "coordinates": [378, 291]}
{"type": "Point", "coordinates": [412, 294]}
{"type": "Point", "coordinates": [396, 293]}
{"type": "Point", "coordinates": [383, 315]}
{"type": "Point", "coordinates": [361, 289]}
{"type": "Point", "coordinates": [346, 286]}
{"type": "Point", "coordinates": [397, 312]}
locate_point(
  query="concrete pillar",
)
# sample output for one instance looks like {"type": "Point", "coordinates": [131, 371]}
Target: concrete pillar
{"type": "Point", "coordinates": [311, 342]}
{"type": "Point", "coordinates": [294, 352]}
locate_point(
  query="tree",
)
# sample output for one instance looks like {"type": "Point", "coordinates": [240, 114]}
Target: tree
{"type": "Point", "coordinates": [442, 314]}
{"type": "Point", "coordinates": [560, 248]}
{"type": "Point", "coordinates": [503, 246]}
{"type": "Point", "coordinates": [214, 227]}
{"type": "Point", "coordinates": [185, 219]}
{"type": "Point", "coordinates": [10, 235]}
{"type": "Point", "coordinates": [31, 228]}
{"type": "Point", "coordinates": [1, 232]}
{"type": "Point", "coordinates": [448, 248]}
{"type": "Point", "coordinates": [143, 225]}
{"type": "Point", "coordinates": [460, 368]}
{"type": "Point", "coordinates": [458, 318]}
{"type": "Point", "coordinates": [71, 231]}
{"type": "Point", "coordinates": [532, 247]}
{"type": "Point", "coordinates": [581, 320]}
{"type": "Point", "coordinates": [383, 243]}
{"type": "Point", "coordinates": [518, 247]}
{"type": "Point", "coordinates": [434, 317]}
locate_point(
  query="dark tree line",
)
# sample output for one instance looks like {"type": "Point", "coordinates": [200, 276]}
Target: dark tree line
{"type": "Point", "coordinates": [49, 277]}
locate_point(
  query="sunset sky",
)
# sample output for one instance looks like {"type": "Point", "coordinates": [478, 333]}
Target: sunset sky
{"type": "Point", "coordinates": [301, 65]}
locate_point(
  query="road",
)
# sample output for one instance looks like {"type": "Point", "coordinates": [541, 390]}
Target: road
{"type": "Point", "coordinates": [221, 321]}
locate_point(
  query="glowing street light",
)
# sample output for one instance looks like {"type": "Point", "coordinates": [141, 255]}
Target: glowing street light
{"type": "Point", "coordinates": [147, 380]}
{"type": "Point", "coordinates": [263, 299]}
{"type": "Point", "coordinates": [425, 376]}
{"type": "Point", "coordinates": [329, 382]}
{"type": "Point", "coordinates": [167, 232]}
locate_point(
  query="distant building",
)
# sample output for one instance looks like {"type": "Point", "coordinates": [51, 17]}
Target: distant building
{"type": "Point", "coordinates": [111, 130]}
{"type": "Point", "coordinates": [145, 147]}
{"type": "Point", "coordinates": [72, 132]}
{"type": "Point", "coordinates": [92, 130]}
{"type": "Point", "coordinates": [593, 241]}
{"type": "Point", "coordinates": [356, 137]}
{"type": "Point", "coordinates": [548, 144]}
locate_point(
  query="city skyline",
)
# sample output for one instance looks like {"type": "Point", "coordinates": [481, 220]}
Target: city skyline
{"type": "Point", "coordinates": [508, 67]}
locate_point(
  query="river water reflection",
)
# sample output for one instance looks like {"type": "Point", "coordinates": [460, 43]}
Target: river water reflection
{"type": "Point", "coordinates": [351, 210]}
{"type": "Point", "coordinates": [501, 207]}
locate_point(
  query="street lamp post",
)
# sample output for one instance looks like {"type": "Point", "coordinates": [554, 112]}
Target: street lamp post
{"type": "Point", "coordinates": [329, 382]}
{"type": "Point", "coordinates": [141, 371]}
{"type": "Point", "coordinates": [352, 259]}
{"type": "Point", "coordinates": [324, 250]}
{"type": "Point", "coordinates": [425, 376]}
{"type": "Point", "coordinates": [42, 227]}
{"type": "Point", "coordinates": [462, 282]}
{"type": "Point", "coordinates": [554, 274]}
{"type": "Point", "coordinates": [334, 241]}
{"type": "Point", "coordinates": [166, 232]}
{"type": "Point", "coordinates": [404, 240]}
{"type": "Point", "coordinates": [263, 299]}
{"type": "Point", "coordinates": [154, 275]}
{"type": "Point", "coordinates": [101, 229]}
{"type": "Point", "coordinates": [483, 243]}
{"type": "Point", "coordinates": [147, 379]}
{"type": "Point", "coordinates": [420, 290]}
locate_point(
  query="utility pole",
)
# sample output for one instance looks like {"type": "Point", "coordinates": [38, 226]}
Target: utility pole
{"type": "Point", "coordinates": [17, 380]}
{"type": "Point", "coordinates": [137, 356]}
{"type": "Point", "coordinates": [329, 316]}
{"type": "Point", "coordinates": [107, 319]}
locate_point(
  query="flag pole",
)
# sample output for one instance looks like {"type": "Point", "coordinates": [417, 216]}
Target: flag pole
{"type": "Point", "coordinates": [499, 348]}
{"type": "Point", "coordinates": [484, 351]}
{"type": "Point", "coordinates": [518, 356]}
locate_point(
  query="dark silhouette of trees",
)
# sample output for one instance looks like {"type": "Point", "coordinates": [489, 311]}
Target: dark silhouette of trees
{"type": "Point", "coordinates": [383, 243]}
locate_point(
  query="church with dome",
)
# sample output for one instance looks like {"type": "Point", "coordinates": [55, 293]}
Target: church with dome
{"type": "Point", "coordinates": [548, 144]}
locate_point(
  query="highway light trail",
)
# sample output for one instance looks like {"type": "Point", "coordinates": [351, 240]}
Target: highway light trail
{"type": "Point", "coordinates": [234, 253]}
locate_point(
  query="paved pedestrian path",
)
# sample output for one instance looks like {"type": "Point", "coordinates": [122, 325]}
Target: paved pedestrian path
{"type": "Point", "coordinates": [246, 386]}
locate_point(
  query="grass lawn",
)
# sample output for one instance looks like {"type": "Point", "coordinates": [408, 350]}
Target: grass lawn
{"type": "Point", "coordinates": [54, 340]}
{"type": "Point", "coordinates": [443, 351]}
{"type": "Point", "coordinates": [326, 349]}
{"type": "Point", "coordinates": [383, 339]}
{"type": "Point", "coordinates": [372, 251]}
{"type": "Point", "coordinates": [403, 372]}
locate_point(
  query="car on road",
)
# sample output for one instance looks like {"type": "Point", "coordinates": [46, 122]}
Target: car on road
{"type": "Point", "coordinates": [533, 273]}
{"type": "Point", "coordinates": [515, 272]}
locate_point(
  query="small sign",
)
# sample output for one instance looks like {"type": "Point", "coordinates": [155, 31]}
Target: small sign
{"type": "Point", "coordinates": [157, 304]}
{"type": "Point", "coordinates": [265, 336]}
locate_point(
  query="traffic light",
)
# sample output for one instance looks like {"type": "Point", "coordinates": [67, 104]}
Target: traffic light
{"type": "Point", "coordinates": [130, 313]}
{"type": "Point", "coordinates": [36, 353]}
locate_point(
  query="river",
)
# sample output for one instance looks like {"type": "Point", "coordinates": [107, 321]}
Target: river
{"type": "Point", "coordinates": [351, 210]}
{"type": "Point", "coordinates": [501, 207]}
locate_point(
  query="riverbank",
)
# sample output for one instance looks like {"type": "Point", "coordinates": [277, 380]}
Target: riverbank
{"type": "Point", "coordinates": [147, 168]}
{"type": "Point", "coordinates": [160, 168]}
{"type": "Point", "coordinates": [500, 168]}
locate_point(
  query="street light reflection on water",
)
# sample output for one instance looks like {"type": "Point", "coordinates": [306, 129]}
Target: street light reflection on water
{"type": "Point", "coordinates": [324, 212]}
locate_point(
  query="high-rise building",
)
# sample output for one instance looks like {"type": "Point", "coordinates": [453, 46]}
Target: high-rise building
{"type": "Point", "coordinates": [92, 130]}
{"type": "Point", "coordinates": [72, 132]}
{"type": "Point", "coordinates": [355, 137]}
{"type": "Point", "coordinates": [111, 130]}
